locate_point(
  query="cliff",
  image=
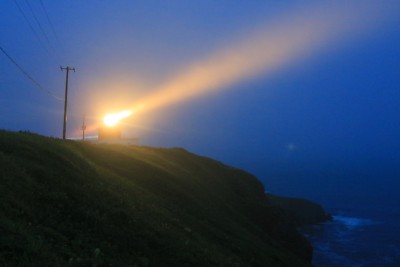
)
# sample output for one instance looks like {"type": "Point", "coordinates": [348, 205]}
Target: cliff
{"type": "Point", "coordinates": [69, 203]}
{"type": "Point", "coordinates": [300, 211]}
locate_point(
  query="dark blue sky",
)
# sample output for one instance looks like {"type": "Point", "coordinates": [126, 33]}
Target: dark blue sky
{"type": "Point", "coordinates": [328, 115]}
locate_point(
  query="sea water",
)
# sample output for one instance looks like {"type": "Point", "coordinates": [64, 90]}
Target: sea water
{"type": "Point", "coordinates": [363, 198]}
{"type": "Point", "coordinates": [359, 236]}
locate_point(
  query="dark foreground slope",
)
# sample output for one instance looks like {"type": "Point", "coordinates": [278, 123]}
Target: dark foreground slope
{"type": "Point", "coordinates": [67, 203]}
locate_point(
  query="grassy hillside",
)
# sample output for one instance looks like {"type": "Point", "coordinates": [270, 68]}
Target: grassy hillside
{"type": "Point", "coordinates": [68, 203]}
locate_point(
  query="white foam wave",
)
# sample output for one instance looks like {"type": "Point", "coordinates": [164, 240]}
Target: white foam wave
{"type": "Point", "coordinates": [352, 222]}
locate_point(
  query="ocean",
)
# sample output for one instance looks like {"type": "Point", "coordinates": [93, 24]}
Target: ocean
{"type": "Point", "coordinates": [358, 236]}
{"type": "Point", "coordinates": [363, 199]}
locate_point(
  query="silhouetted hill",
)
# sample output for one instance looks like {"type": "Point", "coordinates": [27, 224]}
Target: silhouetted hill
{"type": "Point", "coordinates": [300, 211]}
{"type": "Point", "coordinates": [69, 203]}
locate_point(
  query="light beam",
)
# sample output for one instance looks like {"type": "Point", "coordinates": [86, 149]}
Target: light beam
{"type": "Point", "coordinates": [112, 119]}
{"type": "Point", "coordinates": [289, 39]}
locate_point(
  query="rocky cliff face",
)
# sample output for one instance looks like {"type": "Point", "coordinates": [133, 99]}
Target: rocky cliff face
{"type": "Point", "coordinates": [300, 211]}
{"type": "Point", "coordinates": [67, 203]}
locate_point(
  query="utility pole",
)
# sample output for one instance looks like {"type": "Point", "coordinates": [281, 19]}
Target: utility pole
{"type": "Point", "coordinates": [83, 127]}
{"type": "Point", "coordinates": [66, 98]}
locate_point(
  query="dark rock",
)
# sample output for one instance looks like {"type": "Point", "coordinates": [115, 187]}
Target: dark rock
{"type": "Point", "coordinates": [300, 211]}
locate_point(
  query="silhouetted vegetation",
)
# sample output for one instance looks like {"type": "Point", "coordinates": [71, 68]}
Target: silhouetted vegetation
{"type": "Point", "coordinates": [69, 203]}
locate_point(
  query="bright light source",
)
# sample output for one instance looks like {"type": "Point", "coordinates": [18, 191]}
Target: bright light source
{"type": "Point", "coordinates": [112, 119]}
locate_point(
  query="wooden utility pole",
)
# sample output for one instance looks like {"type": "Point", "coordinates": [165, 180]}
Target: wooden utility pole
{"type": "Point", "coordinates": [83, 127]}
{"type": "Point", "coordinates": [66, 98]}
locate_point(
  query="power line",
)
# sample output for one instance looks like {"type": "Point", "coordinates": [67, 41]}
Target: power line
{"type": "Point", "coordinates": [49, 21]}
{"type": "Point", "coordinates": [54, 33]}
{"type": "Point", "coordinates": [30, 26]}
{"type": "Point", "coordinates": [28, 76]}
{"type": "Point", "coordinates": [38, 23]}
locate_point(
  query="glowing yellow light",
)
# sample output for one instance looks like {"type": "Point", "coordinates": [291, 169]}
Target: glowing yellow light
{"type": "Point", "coordinates": [112, 119]}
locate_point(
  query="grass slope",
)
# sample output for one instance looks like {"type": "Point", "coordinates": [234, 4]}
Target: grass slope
{"type": "Point", "coordinates": [68, 203]}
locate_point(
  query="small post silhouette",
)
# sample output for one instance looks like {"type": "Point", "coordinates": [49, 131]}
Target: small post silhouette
{"type": "Point", "coordinates": [83, 127]}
